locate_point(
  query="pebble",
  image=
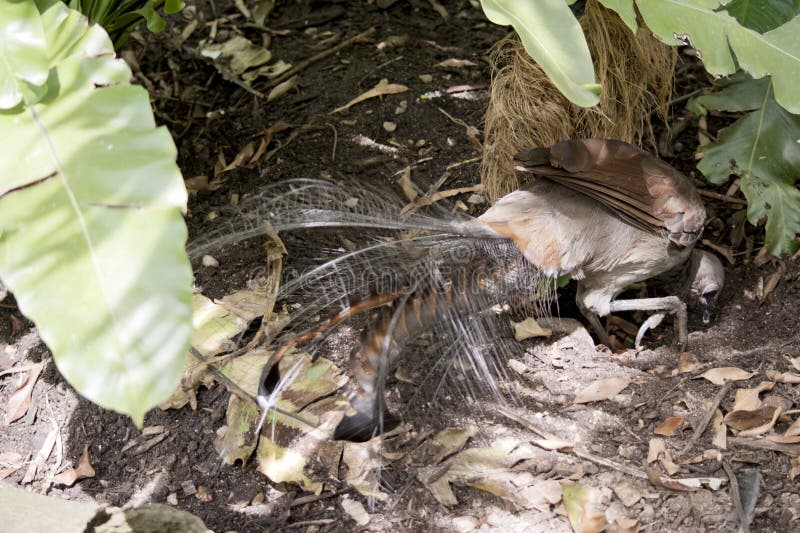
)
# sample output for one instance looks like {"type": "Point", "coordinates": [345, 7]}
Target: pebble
{"type": "Point", "coordinates": [204, 494]}
{"type": "Point", "coordinates": [172, 499]}
{"type": "Point", "coordinates": [210, 261]}
{"type": "Point", "coordinates": [389, 126]}
{"type": "Point", "coordinates": [188, 487]}
{"type": "Point", "coordinates": [463, 524]}
{"type": "Point", "coordinates": [425, 78]}
{"type": "Point", "coordinates": [476, 199]}
{"type": "Point", "coordinates": [402, 108]}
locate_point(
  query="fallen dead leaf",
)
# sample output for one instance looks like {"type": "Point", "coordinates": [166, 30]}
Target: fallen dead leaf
{"type": "Point", "coordinates": [656, 480]}
{"type": "Point", "coordinates": [583, 508]}
{"type": "Point", "coordinates": [528, 329]}
{"type": "Point", "coordinates": [707, 455]}
{"type": "Point", "coordinates": [449, 441]}
{"type": "Point", "coordinates": [668, 427]}
{"type": "Point", "coordinates": [356, 511]}
{"type": "Point", "coordinates": [84, 470]}
{"type": "Point", "coordinates": [783, 377]}
{"type": "Point", "coordinates": [687, 363]}
{"type": "Point", "coordinates": [382, 88]}
{"type": "Point", "coordinates": [602, 389]}
{"type": "Point", "coordinates": [657, 451]}
{"type": "Point", "coordinates": [628, 493]}
{"type": "Point", "coordinates": [623, 524]}
{"type": "Point", "coordinates": [793, 473]}
{"type": "Point", "coordinates": [409, 190]}
{"type": "Point", "coordinates": [794, 429]}
{"type": "Point", "coordinates": [767, 426]}
{"type": "Point", "coordinates": [748, 400]}
{"type": "Point", "coordinates": [718, 376]}
{"type": "Point", "coordinates": [742, 420]}
{"type": "Point", "coordinates": [10, 462]}
{"type": "Point", "coordinates": [283, 88]}
{"type": "Point", "coordinates": [20, 399]}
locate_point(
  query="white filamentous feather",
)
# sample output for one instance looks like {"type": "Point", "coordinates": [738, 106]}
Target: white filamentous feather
{"type": "Point", "coordinates": [446, 249]}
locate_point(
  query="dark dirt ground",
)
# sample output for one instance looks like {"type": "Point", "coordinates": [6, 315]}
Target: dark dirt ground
{"type": "Point", "coordinates": [210, 116]}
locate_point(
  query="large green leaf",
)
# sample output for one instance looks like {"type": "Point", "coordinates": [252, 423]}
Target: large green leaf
{"type": "Point", "coordinates": [552, 36]}
{"type": "Point", "coordinates": [725, 44]}
{"type": "Point", "coordinates": [23, 63]}
{"type": "Point", "coordinates": [625, 10]}
{"type": "Point", "coordinates": [763, 16]}
{"type": "Point", "coordinates": [91, 234]}
{"type": "Point", "coordinates": [762, 148]}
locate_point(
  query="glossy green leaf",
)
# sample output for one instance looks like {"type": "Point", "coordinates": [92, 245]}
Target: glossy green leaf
{"type": "Point", "coordinates": [552, 36]}
{"type": "Point", "coordinates": [91, 234]}
{"type": "Point", "coordinates": [763, 149]}
{"type": "Point", "coordinates": [761, 15]}
{"type": "Point", "coordinates": [23, 62]}
{"type": "Point", "coordinates": [625, 10]}
{"type": "Point", "coordinates": [726, 45]}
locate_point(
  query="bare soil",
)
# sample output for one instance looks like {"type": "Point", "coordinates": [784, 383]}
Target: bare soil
{"type": "Point", "coordinates": [210, 116]}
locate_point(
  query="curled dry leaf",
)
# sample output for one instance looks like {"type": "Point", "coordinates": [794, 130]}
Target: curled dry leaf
{"type": "Point", "coordinates": [707, 455]}
{"type": "Point", "coordinates": [583, 505]}
{"type": "Point", "coordinates": [602, 389]}
{"type": "Point", "coordinates": [794, 429]}
{"type": "Point", "coordinates": [686, 364]}
{"type": "Point", "coordinates": [20, 399]}
{"type": "Point", "coordinates": [718, 376]}
{"type": "Point", "coordinates": [668, 427]}
{"type": "Point", "coordinates": [628, 493]}
{"type": "Point", "coordinates": [657, 451]}
{"type": "Point", "coordinates": [748, 400]}
{"type": "Point", "coordinates": [71, 475]}
{"type": "Point", "coordinates": [283, 88]}
{"type": "Point", "coordinates": [382, 88]}
{"type": "Point", "coordinates": [793, 473]}
{"type": "Point", "coordinates": [743, 420]}
{"type": "Point", "coordinates": [449, 441]}
{"type": "Point", "coordinates": [783, 377]}
{"type": "Point", "coordinates": [767, 426]}
{"type": "Point", "coordinates": [553, 444]}
{"type": "Point", "coordinates": [528, 329]}
{"type": "Point", "coordinates": [356, 511]}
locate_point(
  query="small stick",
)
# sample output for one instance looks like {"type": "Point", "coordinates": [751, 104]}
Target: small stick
{"type": "Point", "coordinates": [322, 55]}
{"type": "Point", "coordinates": [722, 197]}
{"type": "Point", "coordinates": [744, 527]}
{"type": "Point", "coordinates": [701, 427]}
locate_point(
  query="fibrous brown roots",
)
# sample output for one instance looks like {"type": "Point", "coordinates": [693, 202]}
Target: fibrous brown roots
{"type": "Point", "coordinates": [526, 109]}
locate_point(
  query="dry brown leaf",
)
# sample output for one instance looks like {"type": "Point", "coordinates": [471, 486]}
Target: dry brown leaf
{"type": "Point", "coordinates": [688, 363]}
{"type": "Point", "coordinates": [657, 451]}
{"type": "Point", "coordinates": [665, 483]}
{"type": "Point", "coordinates": [767, 426]}
{"type": "Point", "coordinates": [405, 183]}
{"type": "Point", "coordinates": [440, 195]}
{"type": "Point", "coordinates": [201, 183]}
{"type": "Point", "coordinates": [628, 493]}
{"type": "Point", "coordinates": [743, 420]}
{"type": "Point", "coordinates": [356, 511]}
{"type": "Point", "coordinates": [718, 376]}
{"type": "Point", "coordinates": [793, 473]}
{"type": "Point", "coordinates": [708, 455]}
{"type": "Point", "coordinates": [456, 63]}
{"type": "Point", "coordinates": [720, 438]}
{"type": "Point", "coordinates": [84, 470]}
{"type": "Point", "coordinates": [783, 439]}
{"type": "Point", "coordinates": [668, 427]}
{"type": "Point", "coordinates": [783, 377]}
{"type": "Point", "coordinates": [283, 88]}
{"type": "Point", "coordinates": [382, 88]}
{"type": "Point", "coordinates": [773, 281]}
{"type": "Point", "coordinates": [623, 524]}
{"type": "Point", "coordinates": [528, 329]}
{"type": "Point", "coordinates": [449, 441]}
{"type": "Point", "coordinates": [20, 399]}
{"type": "Point", "coordinates": [10, 462]}
{"type": "Point", "coordinates": [748, 400]}
{"type": "Point", "coordinates": [602, 389]}
{"type": "Point", "coordinates": [583, 508]}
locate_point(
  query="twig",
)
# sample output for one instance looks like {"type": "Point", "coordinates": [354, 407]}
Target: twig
{"type": "Point", "coordinates": [722, 197]}
{"type": "Point", "coordinates": [744, 526]}
{"type": "Point", "coordinates": [302, 500]}
{"type": "Point", "coordinates": [635, 472]}
{"type": "Point", "coordinates": [304, 523]}
{"type": "Point", "coordinates": [322, 55]}
{"type": "Point", "coordinates": [701, 427]}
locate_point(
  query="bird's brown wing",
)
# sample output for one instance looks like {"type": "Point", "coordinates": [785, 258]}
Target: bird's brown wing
{"type": "Point", "coordinates": [637, 186]}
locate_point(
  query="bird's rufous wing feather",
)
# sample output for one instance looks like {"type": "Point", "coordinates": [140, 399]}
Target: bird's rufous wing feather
{"type": "Point", "coordinates": [637, 186]}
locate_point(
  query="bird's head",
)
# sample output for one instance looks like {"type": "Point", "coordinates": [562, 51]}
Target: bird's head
{"type": "Point", "coordinates": [705, 279]}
